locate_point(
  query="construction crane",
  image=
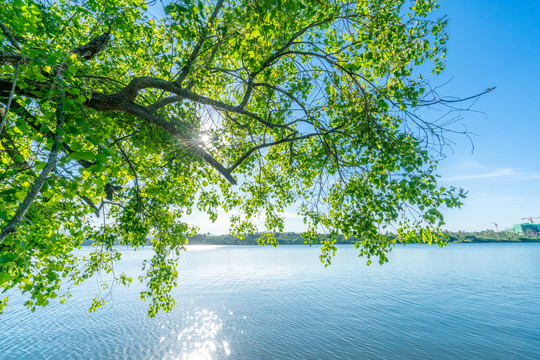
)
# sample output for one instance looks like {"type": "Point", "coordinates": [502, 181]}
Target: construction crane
{"type": "Point", "coordinates": [530, 218]}
{"type": "Point", "coordinates": [496, 225]}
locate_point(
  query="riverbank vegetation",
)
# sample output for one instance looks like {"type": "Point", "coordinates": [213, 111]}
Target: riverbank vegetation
{"type": "Point", "coordinates": [291, 238]}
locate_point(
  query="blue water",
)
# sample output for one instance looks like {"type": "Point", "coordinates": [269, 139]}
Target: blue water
{"type": "Point", "coordinates": [466, 301]}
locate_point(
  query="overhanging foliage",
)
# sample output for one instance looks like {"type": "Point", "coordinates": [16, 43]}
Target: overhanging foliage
{"type": "Point", "coordinates": [110, 108]}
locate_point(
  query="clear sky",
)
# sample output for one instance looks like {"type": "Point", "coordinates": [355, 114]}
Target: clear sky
{"type": "Point", "coordinates": [492, 43]}
{"type": "Point", "coordinates": [495, 43]}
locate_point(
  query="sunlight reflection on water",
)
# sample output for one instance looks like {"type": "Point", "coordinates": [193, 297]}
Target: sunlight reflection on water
{"type": "Point", "coordinates": [198, 341]}
{"type": "Point", "coordinates": [202, 247]}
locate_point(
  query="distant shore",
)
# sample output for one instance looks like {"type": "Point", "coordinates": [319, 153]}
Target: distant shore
{"type": "Point", "coordinates": [460, 237]}
{"type": "Point", "coordinates": [296, 238]}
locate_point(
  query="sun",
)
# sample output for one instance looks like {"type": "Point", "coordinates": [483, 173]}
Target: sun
{"type": "Point", "coordinates": [205, 138]}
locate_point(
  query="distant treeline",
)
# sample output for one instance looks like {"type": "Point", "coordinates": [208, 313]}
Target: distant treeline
{"type": "Point", "coordinates": [489, 236]}
{"type": "Point", "coordinates": [290, 238]}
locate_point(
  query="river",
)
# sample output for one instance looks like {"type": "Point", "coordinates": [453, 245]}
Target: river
{"type": "Point", "coordinates": [465, 301]}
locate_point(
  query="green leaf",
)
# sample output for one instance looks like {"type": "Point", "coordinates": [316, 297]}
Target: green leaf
{"type": "Point", "coordinates": [5, 277]}
{"type": "Point", "coordinates": [20, 195]}
{"type": "Point", "coordinates": [40, 165]}
{"type": "Point", "coordinates": [6, 258]}
{"type": "Point", "coordinates": [83, 155]}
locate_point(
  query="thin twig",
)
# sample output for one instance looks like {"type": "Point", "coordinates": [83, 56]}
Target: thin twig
{"type": "Point", "coordinates": [197, 48]}
{"type": "Point", "coordinates": [11, 94]}
{"type": "Point", "coordinates": [136, 177]}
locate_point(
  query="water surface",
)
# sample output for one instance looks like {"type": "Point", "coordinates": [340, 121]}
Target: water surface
{"type": "Point", "coordinates": [466, 301]}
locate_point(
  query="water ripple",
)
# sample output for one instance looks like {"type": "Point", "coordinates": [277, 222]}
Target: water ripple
{"type": "Point", "coordinates": [463, 302]}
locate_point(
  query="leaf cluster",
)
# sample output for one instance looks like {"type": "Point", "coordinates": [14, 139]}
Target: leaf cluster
{"type": "Point", "coordinates": [248, 107]}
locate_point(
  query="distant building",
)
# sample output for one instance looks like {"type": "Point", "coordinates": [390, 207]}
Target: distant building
{"type": "Point", "coordinates": [524, 229]}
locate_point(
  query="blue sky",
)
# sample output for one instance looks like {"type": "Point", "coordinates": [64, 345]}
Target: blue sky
{"type": "Point", "coordinates": [492, 43]}
{"type": "Point", "coordinates": [495, 43]}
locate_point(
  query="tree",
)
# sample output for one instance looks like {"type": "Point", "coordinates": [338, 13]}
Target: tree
{"type": "Point", "coordinates": [138, 116]}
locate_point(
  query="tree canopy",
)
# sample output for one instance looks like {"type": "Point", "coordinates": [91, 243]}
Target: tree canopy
{"type": "Point", "coordinates": [138, 114]}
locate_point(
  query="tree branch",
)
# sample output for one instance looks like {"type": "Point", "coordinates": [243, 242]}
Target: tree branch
{"type": "Point", "coordinates": [11, 227]}
{"type": "Point", "coordinates": [10, 36]}
{"type": "Point", "coordinates": [26, 115]}
{"type": "Point", "coordinates": [117, 102]}
{"type": "Point", "coordinates": [11, 148]}
{"type": "Point", "coordinates": [164, 102]}
{"type": "Point", "coordinates": [124, 155]}
{"type": "Point", "coordinates": [288, 139]}
{"type": "Point", "coordinates": [10, 98]}
{"type": "Point", "coordinates": [11, 58]}
{"type": "Point", "coordinates": [90, 203]}
{"type": "Point", "coordinates": [185, 70]}
{"type": "Point", "coordinates": [295, 36]}
{"type": "Point", "coordinates": [247, 94]}
{"type": "Point", "coordinates": [292, 97]}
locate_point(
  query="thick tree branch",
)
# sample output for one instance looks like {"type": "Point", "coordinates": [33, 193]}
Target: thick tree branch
{"type": "Point", "coordinates": [247, 94]}
{"type": "Point", "coordinates": [11, 58]}
{"type": "Point", "coordinates": [87, 51]}
{"type": "Point", "coordinates": [118, 102]}
{"type": "Point", "coordinates": [137, 84]}
{"type": "Point", "coordinates": [93, 47]}
{"type": "Point", "coordinates": [144, 113]}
